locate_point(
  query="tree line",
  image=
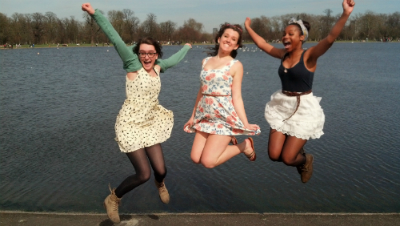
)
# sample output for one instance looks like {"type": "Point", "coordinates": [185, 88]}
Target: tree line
{"type": "Point", "coordinates": [47, 28]}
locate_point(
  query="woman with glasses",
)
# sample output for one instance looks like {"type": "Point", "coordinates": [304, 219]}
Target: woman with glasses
{"type": "Point", "coordinates": [142, 123]}
{"type": "Point", "coordinates": [218, 114]}
{"type": "Point", "coordinates": [294, 113]}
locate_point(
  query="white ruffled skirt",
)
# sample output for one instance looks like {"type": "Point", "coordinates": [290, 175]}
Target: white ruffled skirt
{"type": "Point", "coordinates": [306, 123]}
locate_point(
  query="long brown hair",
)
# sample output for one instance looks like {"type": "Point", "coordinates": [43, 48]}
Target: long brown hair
{"type": "Point", "coordinates": [235, 27]}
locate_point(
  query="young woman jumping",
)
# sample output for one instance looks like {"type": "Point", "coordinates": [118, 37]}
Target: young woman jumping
{"type": "Point", "coordinates": [218, 114]}
{"type": "Point", "coordinates": [142, 123]}
{"type": "Point", "coordinates": [294, 113]}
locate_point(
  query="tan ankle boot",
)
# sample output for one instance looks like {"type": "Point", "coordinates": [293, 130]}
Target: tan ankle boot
{"type": "Point", "coordinates": [163, 192]}
{"type": "Point", "coordinates": [306, 170]}
{"type": "Point", "coordinates": [111, 204]}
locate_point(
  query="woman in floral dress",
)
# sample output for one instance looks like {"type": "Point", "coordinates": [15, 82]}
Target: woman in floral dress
{"type": "Point", "coordinates": [219, 114]}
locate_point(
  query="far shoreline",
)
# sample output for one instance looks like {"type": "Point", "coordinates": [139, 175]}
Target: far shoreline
{"type": "Point", "coordinates": [194, 44]}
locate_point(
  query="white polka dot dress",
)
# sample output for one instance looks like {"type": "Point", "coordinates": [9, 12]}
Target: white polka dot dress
{"type": "Point", "coordinates": [142, 121]}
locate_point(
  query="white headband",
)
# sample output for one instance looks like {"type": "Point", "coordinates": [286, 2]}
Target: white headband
{"type": "Point", "coordinates": [303, 28]}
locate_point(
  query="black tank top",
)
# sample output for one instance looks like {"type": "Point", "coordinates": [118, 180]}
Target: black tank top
{"type": "Point", "coordinates": [297, 78]}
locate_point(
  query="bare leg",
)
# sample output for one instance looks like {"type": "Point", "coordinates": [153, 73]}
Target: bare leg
{"type": "Point", "coordinates": [199, 142]}
{"type": "Point", "coordinates": [217, 151]}
{"type": "Point", "coordinates": [291, 151]}
{"type": "Point", "coordinates": [275, 145]}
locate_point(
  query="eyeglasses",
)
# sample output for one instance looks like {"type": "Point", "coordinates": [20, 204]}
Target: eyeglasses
{"type": "Point", "coordinates": [150, 55]}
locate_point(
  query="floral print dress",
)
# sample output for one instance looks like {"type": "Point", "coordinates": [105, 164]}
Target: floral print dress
{"type": "Point", "coordinates": [215, 113]}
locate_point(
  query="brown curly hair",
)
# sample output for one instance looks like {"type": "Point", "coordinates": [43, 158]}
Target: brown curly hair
{"type": "Point", "coordinates": [235, 27]}
{"type": "Point", "coordinates": [148, 41]}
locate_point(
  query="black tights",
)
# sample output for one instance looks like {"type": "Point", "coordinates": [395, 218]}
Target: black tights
{"type": "Point", "coordinates": [140, 161]}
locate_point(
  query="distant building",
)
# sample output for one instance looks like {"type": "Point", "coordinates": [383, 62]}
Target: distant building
{"type": "Point", "coordinates": [215, 31]}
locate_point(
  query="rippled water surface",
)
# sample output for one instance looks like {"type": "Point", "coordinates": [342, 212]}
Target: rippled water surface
{"type": "Point", "coordinates": [57, 152]}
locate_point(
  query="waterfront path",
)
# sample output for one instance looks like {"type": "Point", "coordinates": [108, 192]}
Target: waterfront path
{"type": "Point", "coordinates": [200, 219]}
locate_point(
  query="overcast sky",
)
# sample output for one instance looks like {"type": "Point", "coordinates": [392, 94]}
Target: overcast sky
{"type": "Point", "coordinates": [211, 13]}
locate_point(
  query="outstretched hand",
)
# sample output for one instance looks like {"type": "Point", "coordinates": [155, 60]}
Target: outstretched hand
{"type": "Point", "coordinates": [348, 6]}
{"type": "Point", "coordinates": [88, 8]}
{"type": "Point", "coordinates": [247, 22]}
{"type": "Point", "coordinates": [188, 44]}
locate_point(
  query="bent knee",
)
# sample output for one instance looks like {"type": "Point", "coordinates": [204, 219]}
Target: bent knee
{"type": "Point", "coordinates": [208, 163]}
{"type": "Point", "coordinates": [195, 159]}
{"type": "Point", "coordinates": [161, 174]}
{"type": "Point", "coordinates": [144, 177]}
{"type": "Point", "coordinates": [274, 156]}
{"type": "Point", "coordinates": [289, 161]}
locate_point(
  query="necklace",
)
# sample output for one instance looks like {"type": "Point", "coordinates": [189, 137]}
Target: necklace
{"type": "Point", "coordinates": [285, 70]}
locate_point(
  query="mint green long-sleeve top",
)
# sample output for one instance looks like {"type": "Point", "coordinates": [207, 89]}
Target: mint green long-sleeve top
{"type": "Point", "coordinates": [130, 60]}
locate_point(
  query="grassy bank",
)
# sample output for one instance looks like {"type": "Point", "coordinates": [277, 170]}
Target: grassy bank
{"type": "Point", "coordinates": [101, 45]}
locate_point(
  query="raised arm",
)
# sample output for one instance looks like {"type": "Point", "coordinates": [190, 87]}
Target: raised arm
{"type": "Point", "coordinates": [326, 43]}
{"type": "Point", "coordinates": [261, 43]}
{"type": "Point", "coordinates": [130, 60]}
{"type": "Point", "coordinates": [174, 59]}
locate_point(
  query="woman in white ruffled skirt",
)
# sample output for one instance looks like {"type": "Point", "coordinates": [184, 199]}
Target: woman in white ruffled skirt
{"type": "Point", "coordinates": [294, 113]}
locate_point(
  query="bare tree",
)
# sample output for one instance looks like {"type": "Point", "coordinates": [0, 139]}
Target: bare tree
{"type": "Point", "coordinates": [51, 27]}
{"type": "Point", "coordinates": [150, 27]}
{"type": "Point", "coordinates": [69, 30]}
{"type": "Point", "coordinates": [167, 30]}
{"type": "Point", "coordinates": [4, 28]}
{"type": "Point", "coordinates": [116, 18]}
{"type": "Point", "coordinates": [263, 27]}
{"type": "Point", "coordinates": [131, 25]}
{"type": "Point", "coordinates": [190, 31]}
{"type": "Point", "coordinates": [193, 24]}
{"type": "Point", "coordinates": [393, 24]}
{"type": "Point", "coordinates": [38, 26]}
{"type": "Point", "coordinates": [276, 28]}
{"type": "Point", "coordinates": [17, 29]}
{"type": "Point", "coordinates": [327, 22]}
{"type": "Point", "coordinates": [365, 25]}
{"type": "Point", "coordinates": [91, 27]}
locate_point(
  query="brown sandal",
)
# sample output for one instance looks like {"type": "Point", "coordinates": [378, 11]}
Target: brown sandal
{"type": "Point", "coordinates": [233, 140]}
{"type": "Point", "coordinates": [252, 156]}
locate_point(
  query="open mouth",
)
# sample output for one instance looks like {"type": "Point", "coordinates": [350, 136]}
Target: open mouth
{"type": "Point", "coordinates": [286, 44]}
{"type": "Point", "coordinates": [147, 63]}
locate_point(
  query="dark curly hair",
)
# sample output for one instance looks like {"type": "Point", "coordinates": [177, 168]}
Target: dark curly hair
{"type": "Point", "coordinates": [235, 27]}
{"type": "Point", "coordinates": [148, 41]}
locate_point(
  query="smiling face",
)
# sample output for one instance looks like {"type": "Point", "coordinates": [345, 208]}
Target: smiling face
{"type": "Point", "coordinates": [229, 40]}
{"type": "Point", "coordinates": [292, 38]}
{"type": "Point", "coordinates": [148, 56]}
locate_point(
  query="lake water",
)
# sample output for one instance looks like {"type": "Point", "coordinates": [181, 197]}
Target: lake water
{"type": "Point", "coordinates": [58, 108]}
